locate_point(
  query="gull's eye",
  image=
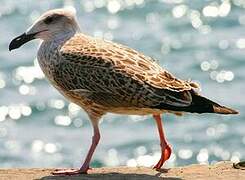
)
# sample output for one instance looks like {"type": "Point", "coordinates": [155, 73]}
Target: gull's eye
{"type": "Point", "coordinates": [52, 18]}
{"type": "Point", "coordinates": [48, 19]}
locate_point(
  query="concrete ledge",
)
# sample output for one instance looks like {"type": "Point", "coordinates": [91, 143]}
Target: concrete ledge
{"type": "Point", "coordinates": [221, 170]}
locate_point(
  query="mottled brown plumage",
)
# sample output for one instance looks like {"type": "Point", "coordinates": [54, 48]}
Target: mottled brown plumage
{"type": "Point", "coordinates": [102, 76]}
{"type": "Point", "coordinates": [114, 78]}
{"type": "Point", "coordinates": [114, 75]}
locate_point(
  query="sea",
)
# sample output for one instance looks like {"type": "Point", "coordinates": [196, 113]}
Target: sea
{"type": "Point", "coordinates": [202, 41]}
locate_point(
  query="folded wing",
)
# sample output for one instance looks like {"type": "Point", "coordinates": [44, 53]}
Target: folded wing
{"type": "Point", "coordinates": [117, 76]}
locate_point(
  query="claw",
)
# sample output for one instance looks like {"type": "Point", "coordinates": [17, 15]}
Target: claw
{"type": "Point", "coordinates": [69, 172]}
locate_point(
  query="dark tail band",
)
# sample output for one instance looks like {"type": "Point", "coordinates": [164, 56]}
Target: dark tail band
{"type": "Point", "coordinates": [199, 104]}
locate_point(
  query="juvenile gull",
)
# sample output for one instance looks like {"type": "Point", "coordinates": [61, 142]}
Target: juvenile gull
{"type": "Point", "coordinates": [102, 76]}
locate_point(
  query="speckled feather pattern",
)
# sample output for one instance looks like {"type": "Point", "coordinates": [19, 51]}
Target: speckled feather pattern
{"type": "Point", "coordinates": [103, 76]}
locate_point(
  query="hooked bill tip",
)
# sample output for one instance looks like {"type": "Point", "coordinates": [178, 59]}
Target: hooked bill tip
{"type": "Point", "coordinates": [20, 40]}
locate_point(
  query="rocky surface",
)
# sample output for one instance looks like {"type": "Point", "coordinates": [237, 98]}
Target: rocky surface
{"type": "Point", "coordinates": [221, 170]}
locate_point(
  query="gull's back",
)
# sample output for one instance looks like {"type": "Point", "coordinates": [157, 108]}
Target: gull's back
{"type": "Point", "coordinates": [115, 78]}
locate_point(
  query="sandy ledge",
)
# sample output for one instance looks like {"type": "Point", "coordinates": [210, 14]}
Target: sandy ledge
{"type": "Point", "coordinates": [221, 170]}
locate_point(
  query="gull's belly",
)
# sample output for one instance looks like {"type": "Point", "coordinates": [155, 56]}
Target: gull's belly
{"type": "Point", "coordinates": [134, 111]}
{"type": "Point", "coordinates": [48, 68]}
{"type": "Point", "coordinates": [140, 111]}
{"type": "Point", "coordinates": [79, 99]}
{"type": "Point", "coordinates": [87, 104]}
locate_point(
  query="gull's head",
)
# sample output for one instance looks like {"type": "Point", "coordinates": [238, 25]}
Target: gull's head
{"type": "Point", "coordinates": [52, 24]}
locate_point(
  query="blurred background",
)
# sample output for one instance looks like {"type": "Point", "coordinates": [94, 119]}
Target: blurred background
{"type": "Point", "coordinates": [202, 40]}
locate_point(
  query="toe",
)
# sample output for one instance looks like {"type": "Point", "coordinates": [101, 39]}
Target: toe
{"type": "Point", "coordinates": [66, 172]}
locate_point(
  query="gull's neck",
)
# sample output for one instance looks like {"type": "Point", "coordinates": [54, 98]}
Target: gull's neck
{"type": "Point", "coordinates": [62, 37]}
{"type": "Point", "coordinates": [51, 44]}
{"type": "Point", "coordinates": [55, 41]}
{"type": "Point", "coordinates": [66, 34]}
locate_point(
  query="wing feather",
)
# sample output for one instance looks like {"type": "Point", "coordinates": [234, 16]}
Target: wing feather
{"type": "Point", "coordinates": [115, 75]}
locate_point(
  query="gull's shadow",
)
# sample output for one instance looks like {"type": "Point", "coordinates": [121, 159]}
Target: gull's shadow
{"type": "Point", "coordinates": [111, 176]}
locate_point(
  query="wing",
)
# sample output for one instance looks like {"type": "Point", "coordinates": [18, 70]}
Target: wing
{"type": "Point", "coordinates": [114, 75]}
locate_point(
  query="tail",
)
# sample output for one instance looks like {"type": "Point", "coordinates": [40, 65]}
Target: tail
{"type": "Point", "coordinates": [201, 104]}
{"type": "Point", "coordinates": [224, 110]}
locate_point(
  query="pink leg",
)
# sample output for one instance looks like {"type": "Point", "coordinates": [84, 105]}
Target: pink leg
{"type": "Point", "coordinates": [166, 149]}
{"type": "Point", "coordinates": [95, 141]}
{"type": "Point", "coordinates": [85, 166]}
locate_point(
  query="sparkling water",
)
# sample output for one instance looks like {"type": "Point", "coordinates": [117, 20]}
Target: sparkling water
{"type": "Point", "coordinates": [199, 40]}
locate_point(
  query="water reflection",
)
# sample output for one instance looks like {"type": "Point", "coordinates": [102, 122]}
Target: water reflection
{"type": "Point", "coordinates": [185, 153]}
{"type": "Point", "coordinates": [62, 120]}
{"type": "Point", "coordinates": [203, 40]}
{"type": "Point", "coordinates": [29, 73]}
{"type": "Point", "coordinates": [113, 6]}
